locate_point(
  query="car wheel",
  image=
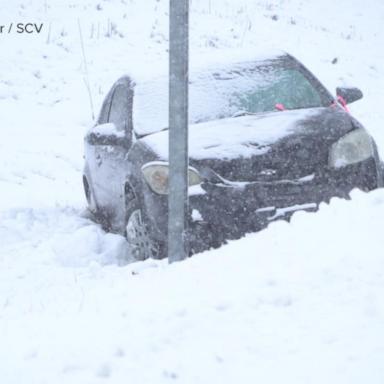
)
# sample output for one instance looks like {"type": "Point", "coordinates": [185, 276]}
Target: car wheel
{"type": "Point", "coordinates": [137, 233]}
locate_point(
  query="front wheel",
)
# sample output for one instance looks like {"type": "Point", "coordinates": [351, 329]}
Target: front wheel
{"type": "Point", "coordinates": [138, 236]}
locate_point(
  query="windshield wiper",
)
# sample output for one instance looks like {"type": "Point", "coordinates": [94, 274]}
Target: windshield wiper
{"type": "Point", "coordinates": [243, 113]}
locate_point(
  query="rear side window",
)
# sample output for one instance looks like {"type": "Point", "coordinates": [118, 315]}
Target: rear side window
{"type": "Point", "coordinates": [119, 110]}
{"type": "Point", "coordinates": [103, 117]}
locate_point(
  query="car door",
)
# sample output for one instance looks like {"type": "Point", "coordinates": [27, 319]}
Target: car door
{"type": "Point", "coordinates": [111, 139]}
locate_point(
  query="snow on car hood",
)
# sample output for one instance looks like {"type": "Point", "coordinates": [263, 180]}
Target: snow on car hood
{"type": "Point", "coordinates": [234, 137]}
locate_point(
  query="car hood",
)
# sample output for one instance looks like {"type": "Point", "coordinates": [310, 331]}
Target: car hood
{"type": "Point", "coordinates": [287, 144]}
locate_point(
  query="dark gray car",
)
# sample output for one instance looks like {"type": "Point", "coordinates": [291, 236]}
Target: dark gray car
{"type": "Point", "coordinates": [266, 139]}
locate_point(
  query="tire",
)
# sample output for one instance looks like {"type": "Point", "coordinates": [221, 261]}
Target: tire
{"type": "Point", "coordinates": [138, 236]}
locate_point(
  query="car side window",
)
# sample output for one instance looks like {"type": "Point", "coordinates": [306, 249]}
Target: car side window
{"type": "Point", "coordinates": [103, 116]}
{"type": "Point", "coordinates": [119, 111]}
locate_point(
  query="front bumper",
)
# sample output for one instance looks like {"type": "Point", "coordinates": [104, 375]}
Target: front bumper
{"type": "Point", "coordinates": [230, 211]}
{"type": "Point", "coordinates": [221, 212]}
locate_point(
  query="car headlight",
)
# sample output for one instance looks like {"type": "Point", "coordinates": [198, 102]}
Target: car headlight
{"type": "Point", "coordinates": [352, 148]}
{"type": "Point", "coordinates": [156, 175]}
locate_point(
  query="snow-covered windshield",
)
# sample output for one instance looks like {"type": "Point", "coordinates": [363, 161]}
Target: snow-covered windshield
{"type": "Point", "coordinates": [264, 89]}
{"type": "Point", "coordinates": [241, 89]}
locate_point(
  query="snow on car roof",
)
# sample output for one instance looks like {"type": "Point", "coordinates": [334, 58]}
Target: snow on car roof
{"type": "Point", "coordinates": [148, 70]}
{"type": "Point", "coordinates": [212, 80]}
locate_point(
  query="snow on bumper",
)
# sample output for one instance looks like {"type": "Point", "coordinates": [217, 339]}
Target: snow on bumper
{"type": "Point", "coordinates": [229, 211]}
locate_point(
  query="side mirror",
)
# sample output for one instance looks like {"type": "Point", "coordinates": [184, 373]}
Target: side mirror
{"type": "Point", "coordinates": [107, 134]}
{"type": "Point", "coordinates": [348, 95]}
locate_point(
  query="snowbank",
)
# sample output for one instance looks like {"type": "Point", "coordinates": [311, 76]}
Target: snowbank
{"type": "Point", "coordinates": [299, 302]}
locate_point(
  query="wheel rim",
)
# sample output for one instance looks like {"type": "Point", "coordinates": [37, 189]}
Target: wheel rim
{"type": "Point", "coordinates": [138, 237]}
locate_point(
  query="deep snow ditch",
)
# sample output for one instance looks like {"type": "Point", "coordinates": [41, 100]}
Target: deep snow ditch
{"type": "Point", "coordinates": [305, 296]}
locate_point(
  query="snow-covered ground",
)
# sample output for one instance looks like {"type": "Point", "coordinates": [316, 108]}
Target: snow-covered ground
{"type": "Point", "coordinates": [297, 303]}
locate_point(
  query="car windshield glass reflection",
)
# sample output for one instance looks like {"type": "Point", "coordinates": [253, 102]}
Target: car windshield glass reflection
{"type": "Point", "coordinates": [244, 88]}
{"type": "Point", "coordinates": [274, 89]}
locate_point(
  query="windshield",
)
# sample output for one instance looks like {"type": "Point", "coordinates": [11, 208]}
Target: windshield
{"type": "Point", "coordinates": [275, 88]}
{"type": "Point", "coordinates": [246, 88]}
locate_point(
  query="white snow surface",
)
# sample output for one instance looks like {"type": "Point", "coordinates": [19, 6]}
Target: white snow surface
{"type": "Point", "coordinates": [108, 129]}
{"type": "Point", "coordinates": [233, 137]}
{"type": "Point", "coordinates": [298, 303]}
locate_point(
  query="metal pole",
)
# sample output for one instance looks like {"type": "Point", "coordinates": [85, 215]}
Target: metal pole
{"type": "Point", "coordinates": [178, 130]}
